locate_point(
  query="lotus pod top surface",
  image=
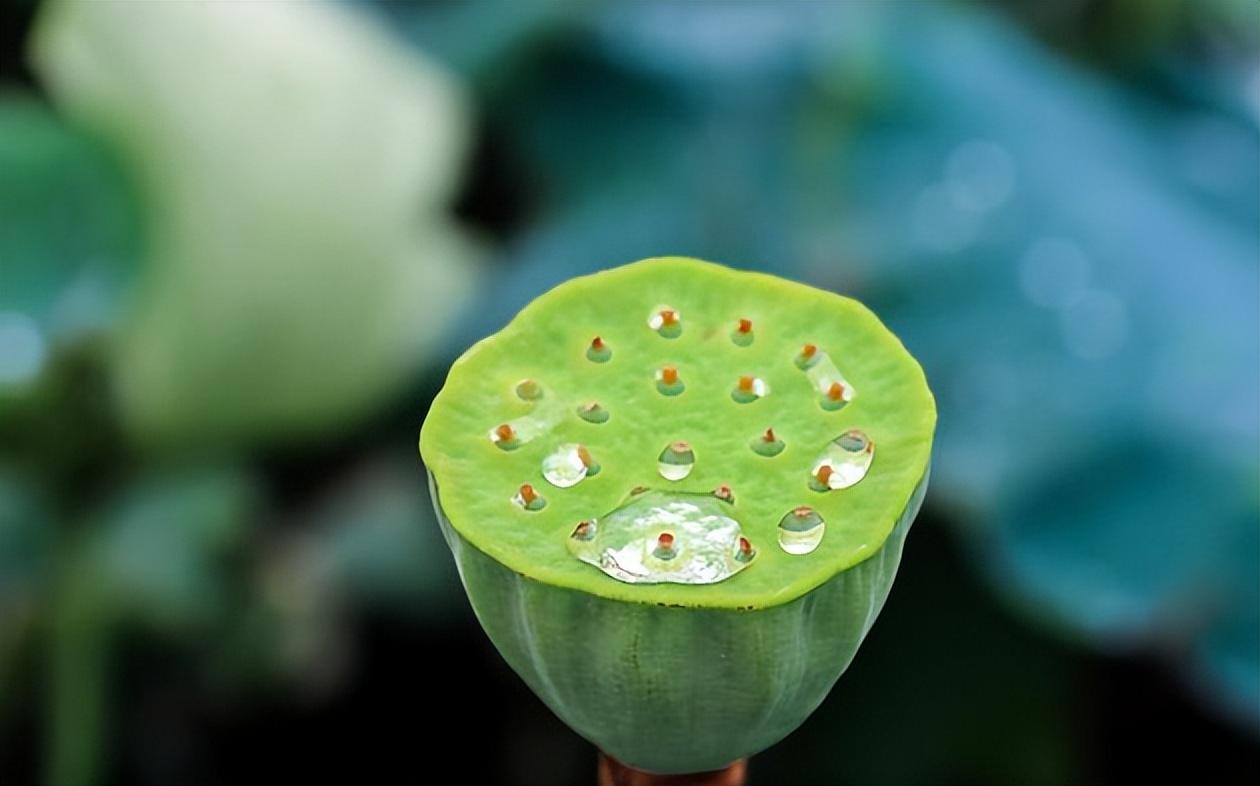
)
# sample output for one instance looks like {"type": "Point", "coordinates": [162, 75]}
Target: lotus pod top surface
{"type": "Point", "coordinates": [728, 334]}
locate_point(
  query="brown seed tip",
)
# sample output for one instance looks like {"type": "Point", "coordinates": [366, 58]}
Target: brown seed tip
{"type": "Point", "coordinates": [835, 392]}
{"type": "Point", "coordinates": [808, 351]}
{"type": "Point", "coordinates": [680, 447]}
{"type": "Point", "coordinates": [802, 511]}
{"type": "Point", "coordinates": [745, 326]}
{"type": "Point", "coordinates": [584, 456]}
{"type": "Point", "coordinates": [744, 546]}
{"type": "Point", "coordinates": [665, 540]}
{"type": "Point", "coordinates": [769, 435]}
{"type": "Point", "coordinates": [823, 474]}
{"type": "Point", "coordinates": [528, 494]}
{"type": "Point", "coordinates": [669, 375]}
{"type": "Point", "coordinates": [505, 433]}
{"type": "Point", "coordinates": [746, 384]}
{"type": "Point", "coordinates": [597, 344]}
{"type": "Point", "coordinates": [724, 492]}
{"type": "Point", "coordinates": [668, 317]}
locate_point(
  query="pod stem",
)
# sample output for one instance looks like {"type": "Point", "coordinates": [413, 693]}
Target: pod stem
{"type": "Point", "coordinates": [614, 773]}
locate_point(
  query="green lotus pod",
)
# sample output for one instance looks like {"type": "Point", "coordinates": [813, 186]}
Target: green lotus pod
{"type": "Point", "coordinates": [711, 553]}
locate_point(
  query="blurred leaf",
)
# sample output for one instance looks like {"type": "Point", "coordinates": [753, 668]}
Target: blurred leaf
{"type": "Point", "coordinates": [295, 166]}
{"type": "Point", "coordinates": [159, 548]}
{"type": "Point", "coordinates": [68, 237]}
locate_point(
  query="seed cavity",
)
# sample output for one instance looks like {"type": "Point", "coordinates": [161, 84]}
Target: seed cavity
{"type": "Point", "coordinates": [748, 389]}
{"type": "Point", "coordinates": [845, 461]}
{"type": "Point", "coordinates": [807, 357]}
{"type": "Point", "coordinates": [592, 412]}
{"type": "Point", "coordinates": [568, 465]}
{"type": "Point", "coordinates": [768, 444]}
{"type": "Point", "coordinates": [666, 321]}
{"type": "Point", "coordinates": [724, 493]}
{"type": "Point", "coordinates": [742, 333]}
{"type": "Point", "coordinates": [528, 390]}
{"type": "Point", "coordinates": [665, 549]}
{"type": "Point", "coordinates": [665, 537]}
{"type": "Point", "coordinates": [801, 530]}
{"type": "Point", "coordinates": [505, 437]}
{"type": "Point", "coordinates": [668, 383]}
{"type": "Point", "coordinates": [528, 499]}
{"type": "Point", "coordinates": [676, 461]}
{"type": "Point", "coordinates": [598, 351]}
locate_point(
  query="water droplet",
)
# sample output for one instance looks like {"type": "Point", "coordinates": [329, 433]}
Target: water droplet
{"type": "Point", "coordinates": [668, 383]}
{"type": "Point", "coordinates": [505, 437]}
{"type": "Point", "coordinates": [801, 530]}
{"type": "Point", "coordinates": [528, 390]}
{"type": "Point", "coordinates": [598, 351]}
{"type": "Point", "coordinates": [676, 461]}
{"type": "Point", "coordinates": [663, 537]}
{"type": "Point", "coordinates": [564, 467]}
{"type": "Point", "coordinates": [593, 413]}
{"type": "Point", "coordinates": [528, 499]}
{"type": "Point", "coordinates": [666, 321]}
{"type": "Point", "coordinates": [748, 389]}
{"type": "Point", "coordinates": [768, 444]}
{"type": "Point", "coordinates": [742, 334]}
{"type": "Point", "coordinates": [834, 391]}
{"type": "Point", "coordinates": [848, 458]}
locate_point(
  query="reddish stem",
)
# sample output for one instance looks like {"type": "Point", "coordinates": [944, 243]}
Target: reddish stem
{"type": "Point", "coordinates": [614, 773]}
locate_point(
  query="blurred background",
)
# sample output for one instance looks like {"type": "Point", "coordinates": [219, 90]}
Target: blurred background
{"type": "Point", "coordinates": [241, 243]}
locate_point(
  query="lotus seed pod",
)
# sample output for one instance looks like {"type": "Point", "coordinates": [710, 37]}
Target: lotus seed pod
{"type": "Point", "coordinates": [716, 534]}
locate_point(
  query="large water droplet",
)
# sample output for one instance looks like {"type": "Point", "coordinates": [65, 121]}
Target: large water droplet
{"type": "Point", "coordinates": [801, 530]}
{"type": "Point", "coordinates": [676, 461]}
{"type": "Point", "coordinates": [849, 456]}
{"type": "Point", "coordinates": [565, 466]}
{"type": "Point", "coordinates": [660, 537]}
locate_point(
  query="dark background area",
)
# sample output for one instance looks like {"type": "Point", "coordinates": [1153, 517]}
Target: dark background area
{"type": "Point", "coordinates": [1077, 602]}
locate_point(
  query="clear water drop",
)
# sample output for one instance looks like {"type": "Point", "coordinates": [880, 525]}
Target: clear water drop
{"type": "Point", "coordinates": [660, 537]}
{"type": "Point", "coordinates": [564, 467]}
{"type": "Point", "coordinates": [676, 461]}
{"type": "Point", "coordinates": [849, 457]}
{"type": "Point", "coordinates": [801, 530]}
{"type": "Point", "coordinates": [834, 391]}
